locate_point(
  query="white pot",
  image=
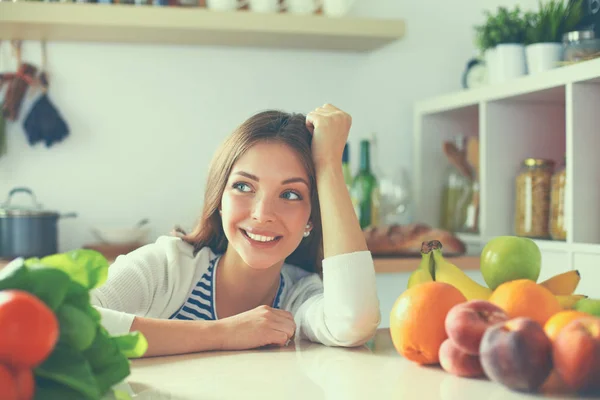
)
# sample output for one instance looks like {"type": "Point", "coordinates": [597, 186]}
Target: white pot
{"type": "Point", "coordinates": [543, 56]}
{"type": "Point", "coordinates": [509, 62]}
{"type": "Point", "coordinates": [490, 64]}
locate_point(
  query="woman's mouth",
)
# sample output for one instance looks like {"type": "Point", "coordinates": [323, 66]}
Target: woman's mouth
{"type": "Point", "coordinates": [260, 240]}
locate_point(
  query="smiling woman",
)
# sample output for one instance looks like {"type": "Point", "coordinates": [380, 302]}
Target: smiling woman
{"type": "Point", "coordinates": [277, 253]}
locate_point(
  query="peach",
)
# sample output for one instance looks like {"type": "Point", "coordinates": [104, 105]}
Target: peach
{"type": "Point", "coordinates": [577, 354]}
{"type": "Point", "coordinates": [457, 362]}
{"type": "Point", "coordinates": [467, 322]}
{"type": "Point", "coordinates": [517, 354]}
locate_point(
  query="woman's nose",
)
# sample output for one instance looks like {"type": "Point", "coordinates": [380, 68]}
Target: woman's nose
{"type": "Point", "coordinates": [263, 210]}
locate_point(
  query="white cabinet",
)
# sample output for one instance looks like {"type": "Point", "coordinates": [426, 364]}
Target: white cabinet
{"type": "Point", "coordinates": [547, 115]}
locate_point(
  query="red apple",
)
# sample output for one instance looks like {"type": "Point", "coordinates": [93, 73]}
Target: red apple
{"type": "Point", "coordinates": [457, 362]}
{"type": "Point", "coordinates": [467, 322]}
{"type": "Point", "coordinates": [577, 354]}
{"type": "Point", "coordinates": [517, 354]}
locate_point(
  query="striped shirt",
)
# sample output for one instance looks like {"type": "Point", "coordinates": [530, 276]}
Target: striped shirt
{"type": "Point", "coordinates": [200, 303]}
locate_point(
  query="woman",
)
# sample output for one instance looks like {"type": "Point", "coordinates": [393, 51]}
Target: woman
{"type": "Point", "coordinates": [250, 274]}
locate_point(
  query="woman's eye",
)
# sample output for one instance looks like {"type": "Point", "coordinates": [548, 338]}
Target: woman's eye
{"type": "Point", "coordinates": [290, 195]}
{"type": "Point", "coordinates": [242, 187]}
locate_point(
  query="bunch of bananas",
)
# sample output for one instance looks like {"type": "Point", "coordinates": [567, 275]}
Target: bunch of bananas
{"type": "Point", "coordinates": [434, 267]}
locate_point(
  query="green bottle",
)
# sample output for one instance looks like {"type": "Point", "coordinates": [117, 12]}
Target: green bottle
{"type": "Point", "coordinates": [346, 168]}
{"type": "Point", "coordinates": [365, 192]}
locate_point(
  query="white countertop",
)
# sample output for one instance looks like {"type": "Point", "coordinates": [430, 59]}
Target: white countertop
{"type": "Point", "coordinates": [307, 371]}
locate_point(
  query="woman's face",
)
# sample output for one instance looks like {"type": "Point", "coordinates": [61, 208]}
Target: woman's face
{"type": "Point", "coordinates": [266, 204]}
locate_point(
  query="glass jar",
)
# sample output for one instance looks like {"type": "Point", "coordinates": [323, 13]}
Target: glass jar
{"type": "Point", "coordinates": [580, 46]}
{"type": "Point", "coordinates": [532, 211]}
{"type": "Point", "coordinates": [557, 204]}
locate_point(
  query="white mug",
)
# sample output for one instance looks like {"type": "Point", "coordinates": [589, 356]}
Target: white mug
{"type": "Point", "coordinates": [265, 6]}
{"type": "Point", "coordinates": [336, 8]}
{"type": "Point", "coordinates": [303, 6]}
{"type": "Point", "coordinates": [224, 5]}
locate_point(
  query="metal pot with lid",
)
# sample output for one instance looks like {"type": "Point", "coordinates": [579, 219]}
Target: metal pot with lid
{"type": "Point", "coordinates": [28, 231]}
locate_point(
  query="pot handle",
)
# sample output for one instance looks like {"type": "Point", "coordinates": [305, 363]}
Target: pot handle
{"type": "Point", "coordinates": [23, 190]}
{"type": "Point", "coordinates": [69, 215]}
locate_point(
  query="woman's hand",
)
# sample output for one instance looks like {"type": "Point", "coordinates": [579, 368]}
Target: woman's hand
{"type": "Point", "coordinates": [258, 327]}
{"type": "Point", "coordinates": [330, 127]}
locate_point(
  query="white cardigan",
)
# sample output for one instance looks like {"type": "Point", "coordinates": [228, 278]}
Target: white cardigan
{"type": "Point", "coordinates": [156, 280]}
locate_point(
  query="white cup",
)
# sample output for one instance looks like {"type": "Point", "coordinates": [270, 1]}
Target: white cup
{"type": "Point", "coordinates": [303, 6]}
{"type": "Point", "coordinates": [336, 8]}
{"type": "Point", "coordinates": [224, 5]}
{"type": "Point", "coordinates": [265, 6]}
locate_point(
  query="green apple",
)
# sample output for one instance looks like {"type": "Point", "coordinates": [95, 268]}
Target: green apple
{"type": "Point", "coordinates": [590, 306]}
{"type": "Point", "coordinates": [508, 258]}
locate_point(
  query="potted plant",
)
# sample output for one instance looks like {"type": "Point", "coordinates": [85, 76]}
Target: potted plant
{"type": "Point", "coordinates": [544, 34]}
{"type": "Point", "coordinates": [501, 39]}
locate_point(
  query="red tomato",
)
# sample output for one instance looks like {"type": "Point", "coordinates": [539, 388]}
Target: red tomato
{"type": "Point", "coordinates": [29, 331]}
{"type": "Point", "coordinates": [8, 384]}
{"type": "Point", "coordinates": [25, 383]}
{"type": "Point", "coordinates": [16, 384]}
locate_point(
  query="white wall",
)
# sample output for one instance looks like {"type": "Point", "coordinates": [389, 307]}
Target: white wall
{"type": "Point", "coordinates": [145, 120]}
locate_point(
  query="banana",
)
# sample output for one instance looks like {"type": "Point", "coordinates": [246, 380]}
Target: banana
{"type": "Point", "coordinates": [567, 302]}
{"type": "Point", "coordinates": [447, 272]}
{"type": "Point", "coordinates": [423, 272]}
{"type": "Point", "coordinates": [563, 284]}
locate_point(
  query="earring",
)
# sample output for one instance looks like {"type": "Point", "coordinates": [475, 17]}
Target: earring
{"type": "Point", "coordinates": [306, 233]}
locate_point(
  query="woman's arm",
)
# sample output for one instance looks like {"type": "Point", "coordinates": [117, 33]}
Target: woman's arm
{"type": "Point", "coordinates": [347, 312]}
{"type": "Point", "coordinates": [258, 327]}
{"type": "Point", "coordinates": [341, 229]}
{"type": "Point", "coordinates": [168, 337]}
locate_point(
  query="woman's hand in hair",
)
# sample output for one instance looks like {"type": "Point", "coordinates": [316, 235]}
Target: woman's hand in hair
{"type": "Point", "coordinates": [330, 127]}
{"type": "Point", "coordinates": [258, 327]}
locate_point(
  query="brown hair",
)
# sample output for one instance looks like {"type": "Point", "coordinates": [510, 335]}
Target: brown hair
{"type": "Point", "coordinates": [272, 126]}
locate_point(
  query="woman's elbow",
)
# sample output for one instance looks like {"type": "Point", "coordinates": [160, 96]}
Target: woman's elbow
{"type": "Point", "coordinates": [356, 330]}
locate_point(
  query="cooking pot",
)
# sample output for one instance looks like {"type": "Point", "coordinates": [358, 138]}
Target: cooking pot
{"type": "Point", "coordinates": [28, 231]}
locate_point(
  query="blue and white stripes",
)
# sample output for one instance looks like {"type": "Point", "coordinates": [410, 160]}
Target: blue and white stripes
{"type": "Point", "coordinates": [201, 302]}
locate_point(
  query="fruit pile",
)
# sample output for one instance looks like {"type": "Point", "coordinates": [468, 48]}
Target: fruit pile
{"type": "Point", "coordinates": [52, 345]}
{"type": "Point", "coordinates": [516, 332]}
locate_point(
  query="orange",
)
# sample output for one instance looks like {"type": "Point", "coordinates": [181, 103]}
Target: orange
{"type": "Point", "coordinates": [560, 320]}
{"type": "Point", "coordinates": [417, 320]}
{"type": "Point", "coordinates": [525, 298]}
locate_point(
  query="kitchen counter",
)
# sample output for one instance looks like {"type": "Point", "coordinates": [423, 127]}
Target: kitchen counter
{"type": "Point", "coordinates": [308, 371]}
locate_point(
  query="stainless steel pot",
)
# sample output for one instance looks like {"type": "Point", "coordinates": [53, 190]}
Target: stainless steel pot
{"type": "Point", "coordinates": [28, 231]}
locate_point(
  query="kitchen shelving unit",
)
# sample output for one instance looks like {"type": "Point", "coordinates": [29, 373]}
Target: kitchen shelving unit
{"type": "Point", "coordinates": [120, 23]}
{"type": "Point", "coordinates": [546, 115]}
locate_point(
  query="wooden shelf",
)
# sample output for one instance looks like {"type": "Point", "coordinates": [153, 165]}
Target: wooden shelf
{"type": "Point", "coordinates": [400, 265]}
{"type": "Point", "coordinates": [92, 22]}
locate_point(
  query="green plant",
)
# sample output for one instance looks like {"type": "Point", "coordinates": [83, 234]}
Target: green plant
{"type": "Point", "coordinates": [505, 26]}
{"type": "Point", "coordinates": [554, 19]}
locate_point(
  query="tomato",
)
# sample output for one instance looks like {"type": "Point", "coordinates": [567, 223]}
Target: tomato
{"type": "Point", "coordinates": [25, 383]}
{"type": "Point", "coordinates": [16, 384]}
{"type": "Point", "coordinates": [29, 330]}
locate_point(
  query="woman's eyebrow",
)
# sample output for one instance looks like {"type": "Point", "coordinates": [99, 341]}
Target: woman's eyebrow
{"type": "Point", "coordinates": [285, 182]}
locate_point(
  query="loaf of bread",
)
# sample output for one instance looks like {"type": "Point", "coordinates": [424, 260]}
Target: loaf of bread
{"type": "Point", "coordinates": [405, 240]}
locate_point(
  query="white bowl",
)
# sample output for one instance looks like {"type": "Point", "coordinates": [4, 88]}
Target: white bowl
{"type": "Point", "coordinates": [122, 235]}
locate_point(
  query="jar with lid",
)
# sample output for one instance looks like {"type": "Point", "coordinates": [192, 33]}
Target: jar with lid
{"type": "Point", "coordinates": [557, 204]}
{"type": "Point", "coordinates": [532, 208]}
{"type": "Point", "coordinates": [580, 46]}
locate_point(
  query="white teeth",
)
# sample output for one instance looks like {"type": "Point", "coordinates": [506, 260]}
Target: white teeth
{"type": "Point", "coordinates": [260, 238]}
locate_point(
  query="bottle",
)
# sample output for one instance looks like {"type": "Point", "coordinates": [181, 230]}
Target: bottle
{"type": "Point", "coordinates": [346, 168]}
{"type": "Point", "coordinates": [365, 191]}
{"type": "Point", "coordinates": [457, 191]}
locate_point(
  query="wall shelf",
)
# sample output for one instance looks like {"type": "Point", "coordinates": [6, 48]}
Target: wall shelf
{"type": "Point", "coordinates": [547, 115]}
{"type": "Point", "coordinates": [92, 22]}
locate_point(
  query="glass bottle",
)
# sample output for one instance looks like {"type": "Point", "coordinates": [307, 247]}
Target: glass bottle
{"type": "Point", "coordinates": [346, 167]}
{"type": "Point", "coordinates": [533, 185]}
{"type": "Point", "coordinates": [365, 191]}
{"type": "Point", "coordinates": [558, 230]}
{"type": "Point", "coordinates": [457, 191]}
